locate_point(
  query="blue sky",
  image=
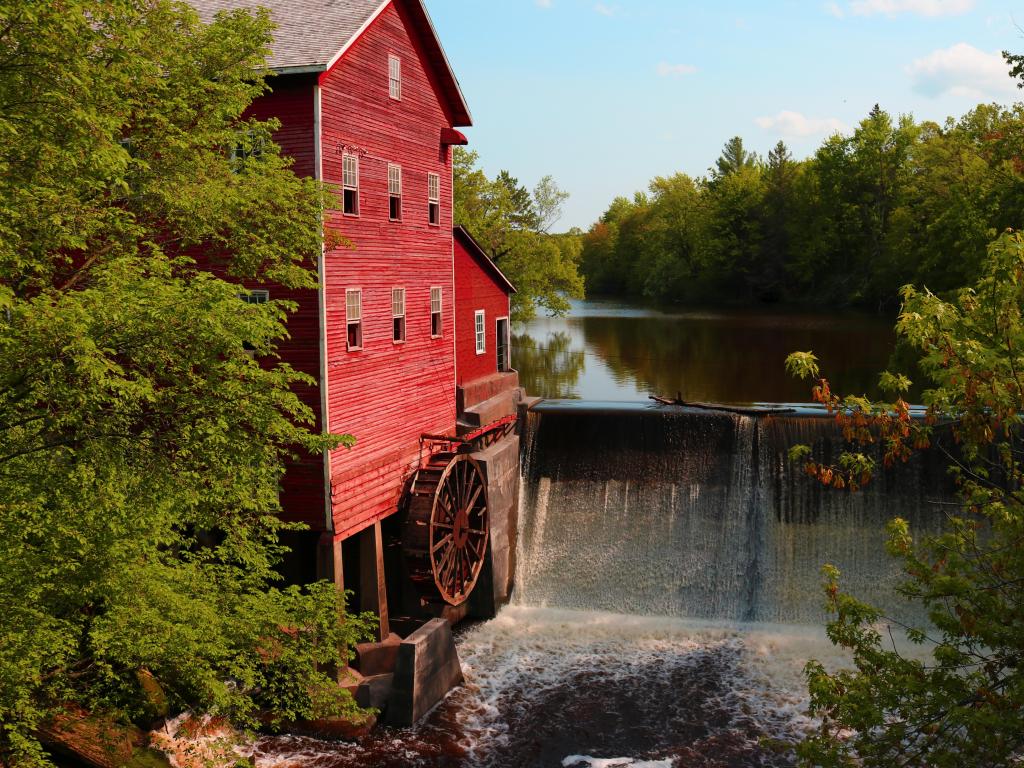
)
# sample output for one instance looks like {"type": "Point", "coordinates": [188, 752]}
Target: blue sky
{"type": "Point", "coordinates": [605, 95]}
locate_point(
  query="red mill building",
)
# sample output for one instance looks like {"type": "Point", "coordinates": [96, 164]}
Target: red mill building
{"type": "Point", "coordinates": [407, 336]}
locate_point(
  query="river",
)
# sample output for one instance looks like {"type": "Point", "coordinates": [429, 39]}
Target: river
{"type": "Point", "coordinates": [667, 591]}
{"type": "Point", "coordinates": [614, 351]}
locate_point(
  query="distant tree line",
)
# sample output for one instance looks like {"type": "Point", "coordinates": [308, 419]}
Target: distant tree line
{"type": "Point", "coordinates": [893, 203]}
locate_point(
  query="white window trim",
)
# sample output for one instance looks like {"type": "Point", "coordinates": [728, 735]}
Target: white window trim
{"type": "Point", "coordinates": [396, 315]}
{"type": "Point", "coordinates": [434, 197]}
{"type": "Point", "coordinates": [349, 320]}
{"type": "Point", "coordinates": [480, 331]}
{"type": "Point", "coordinates": [395, 77]}
{"type": "Point", "coordinates": [353, 187]}
{"type": "Point", "coordinates": [393, 192]}
{"type": "Point", "coordinates": [260, 295]}
{"type": "Point", "coordinates": [439, 313]}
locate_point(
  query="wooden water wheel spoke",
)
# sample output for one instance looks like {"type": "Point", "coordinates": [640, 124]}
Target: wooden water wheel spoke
{"type": "Point", "coordinates": [446, 532]}
{"type": "Point", "coordinates": [476, 495]}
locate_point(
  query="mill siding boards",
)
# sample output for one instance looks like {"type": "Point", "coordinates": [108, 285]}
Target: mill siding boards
{"type": "Point", "coordinates": [291, 103]}
{"type": "Point", "coordinates": [386, 394]}
{"type": "Point", "coordinates": [480, 285]}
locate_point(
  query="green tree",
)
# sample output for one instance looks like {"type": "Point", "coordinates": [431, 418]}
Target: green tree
{"type": "Point", "coordinates": [734, 158]}
{"type": "Point", "coordinates": [141, 443]}
{"type": "Point", "coordinates": [962, 704]}
{"type": "Point", "coordinates": [511, 224]}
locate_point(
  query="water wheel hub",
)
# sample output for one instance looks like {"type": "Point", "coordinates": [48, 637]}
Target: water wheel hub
{"type": "Point", "coordinates": [461, 530]}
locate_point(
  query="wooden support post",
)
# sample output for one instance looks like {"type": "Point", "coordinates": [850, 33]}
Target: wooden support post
{"type": "Point", "coordinates": [329, 562]}
{"type": "Point", "coordinates": [372, 586]}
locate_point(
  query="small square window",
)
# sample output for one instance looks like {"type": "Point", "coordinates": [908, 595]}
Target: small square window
{"type": "Point", "coordinates": [434, 198]}
{"type": "Point", "coordinates": [394, 192]}
{"type": "Point", "coordinates": [395, 77]}
{"type": "Point", "coordinates": [398, 314]}
{"type": "Point", "coordinates": [354, 318]}
{"type": "Point", "coordinates": [255, 296]}
{"type": "Point", "coordinates": [435, 312]}
{"type": "Point", "coordinates": [481, 333]}
{"type": "Point", "coordinates": [350, 184]}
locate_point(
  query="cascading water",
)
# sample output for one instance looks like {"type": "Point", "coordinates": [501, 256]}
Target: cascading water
{"type": "Point", "coordinates": [695, 514]}
{"type": "Point", "coordinates": [668, 595]}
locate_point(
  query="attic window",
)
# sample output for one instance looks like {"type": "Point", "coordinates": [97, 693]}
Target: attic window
{"type": "Point", "coordinates": [434, 198]}
{"type": "Point", "coordinates": [394, 192]}
{"type": "Point", "coordinates": [395, 77]}
{"type": "Point", "coordinates": [350, 184]}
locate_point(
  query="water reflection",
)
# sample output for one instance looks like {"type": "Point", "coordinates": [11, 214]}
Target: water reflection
{"type": "Point", "coordinates": [549, 365]}
{"type": "Point", "coordinates": [614, 351]}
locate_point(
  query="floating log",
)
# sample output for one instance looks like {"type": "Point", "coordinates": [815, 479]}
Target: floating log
{"type": "Point", "coordinates": [738, 409]}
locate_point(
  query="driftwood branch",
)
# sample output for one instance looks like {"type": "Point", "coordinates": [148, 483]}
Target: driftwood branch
{"type": "Point", "coordinates": [743, 411]}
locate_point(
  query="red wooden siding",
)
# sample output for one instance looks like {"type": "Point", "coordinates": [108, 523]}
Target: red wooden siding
{"type": "Point", "coordinates": [386, 394]}
{"type": "Point", "coordinates": [291, 103]}
{"type": "Point", "coordinates": [476, 289]}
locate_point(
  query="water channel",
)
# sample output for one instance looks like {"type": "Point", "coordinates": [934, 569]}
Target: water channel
{"type": "Point", "coordinates": [667, 590]}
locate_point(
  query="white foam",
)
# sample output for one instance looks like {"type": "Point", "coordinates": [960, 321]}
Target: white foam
{"type": "Point", "coordinates": [574, 761]}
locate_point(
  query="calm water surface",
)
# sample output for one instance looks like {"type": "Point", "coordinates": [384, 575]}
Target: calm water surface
{"type": "Point", "coordinates": [610, 350]}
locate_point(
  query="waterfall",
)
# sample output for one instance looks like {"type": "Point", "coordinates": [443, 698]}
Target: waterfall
{"type": "Point", "coordinates": [697, 514]}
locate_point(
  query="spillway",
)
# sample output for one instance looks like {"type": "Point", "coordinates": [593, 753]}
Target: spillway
{"type": "Point", "coordinates": [687, 513]}
{"type": "Point", "coordinates": [668, 596]}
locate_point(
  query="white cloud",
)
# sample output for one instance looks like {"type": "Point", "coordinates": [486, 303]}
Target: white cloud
{"type": "Point", "coordinates": [962, 70]}
{"type": "Point", "coordinates": [835, 10]}
{"type": "Point", "coordinates": [796, 125]}
{"type": "Point", "coordinates": [543, 3]}
{"type": "Point", "coordinates": [916, 7]}
{"type": "Point", "coordinates": [675, 70]}
{"type": "Point", "coordinates": [604, 10]}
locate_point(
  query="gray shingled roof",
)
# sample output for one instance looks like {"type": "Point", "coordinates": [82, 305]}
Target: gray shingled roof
{"type": "Point", "coordinates": [309, 32]}
{"type": "Point", "coordinates": [312, 33]}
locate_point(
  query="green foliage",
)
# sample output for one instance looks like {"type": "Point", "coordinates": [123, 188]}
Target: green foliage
{"type": "Point", "coordinates": [894, 202]}
{"type": "Point", "coordinates": [959, 701]}
{"type": "Point", "coordinates": [512, 224]}
{"type": "Point", "coordinates": [141, 442]}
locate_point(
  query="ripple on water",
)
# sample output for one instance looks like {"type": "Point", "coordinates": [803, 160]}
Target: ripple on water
{"type": "Point", "coordinates": [564, 688]}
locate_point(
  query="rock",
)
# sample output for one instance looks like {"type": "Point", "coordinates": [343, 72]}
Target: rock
{"type": "Point", "coordinates": [374, 692]}
{"type": "Point", "coordinates": [350, 679]}
{"type": "Point", "coordinates": [334, 728]}
{"type": "Point", "coordinates": [426, 669]}
{"type": "Point", "coordinates": [201, 742]}
{"type": "Point", "coordinates": [98, 742]}
{"type": "Point", "coordinates": [377, 658]}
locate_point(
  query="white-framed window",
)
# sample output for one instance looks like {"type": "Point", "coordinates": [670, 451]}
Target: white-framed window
{"type": "Point", "coordinates": [350, 184]}
{"type": "Point", "coordinates": [398, 314]}
{"type": "Point", "coordinates": [395, 77]}
{"type": "Point", "coordinates": [434, 198]}
{"type": "Point", "coordinates": [481, 332]}
{"type": "Point", "coordinates": [435, 312]}
{"type": "Point", "coordinates": [255, 296]}
{"type": "Point", "coordinates": [248, 147]}
{"type": "Point", "coordinates": [354, 318]}
{"type": "Point", "coordinates": [394, 192]}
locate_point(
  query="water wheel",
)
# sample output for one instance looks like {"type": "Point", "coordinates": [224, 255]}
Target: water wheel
{"type": "Point", "coordinates": [445, 533]}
